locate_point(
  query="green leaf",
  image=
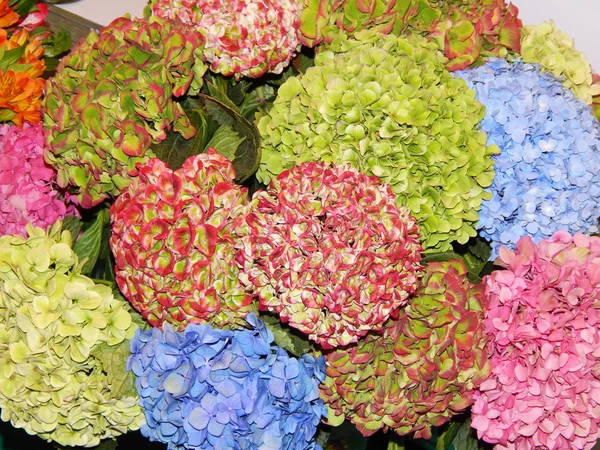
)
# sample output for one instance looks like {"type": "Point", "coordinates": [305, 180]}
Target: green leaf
{"type": "Point", "coordinates": [114, 360]}
{"type": "Point", "coordinates": [226, 141]}
{"type": "Point", "coordinates": [465, 437]}
{"type": "Point", "coordinates": [56, 44]}
{"type": "Point", "coordinates": [72, 224]}
{"type": "Point", "coordinates": [237, 93]}
{"type": "Point", "coordinates": [480, 248]}
{"type": "Point", "coordinates": [446, 438]}
{"type": "Point", "coordinates": [175, 149]}
{"type": "Point", "coordinates": [22, 7]}
{"type": "Point", "coordinates": [88, 245]}
{"type": "Point", "coordinates": [278, 80]}
{"type": "Point", "coordinates": [105, 267]}
{"type": "Point", "coordinates": [440, 257]}
{"type": "Point", "coordinates": [247, 155]}
{"type": "Point", "coordinates": [220, 95]}
{"type": "Point", "coordinates": [9, 57]}
{"type": "Point", "coordinates": [287, 337]}
{"type": "Point", "coordinates": [307, 61]}
{"type": "Point", "coordinates": [259, 97]}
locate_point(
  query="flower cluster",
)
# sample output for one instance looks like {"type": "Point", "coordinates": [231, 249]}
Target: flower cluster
{"type": "Point", "coordinates": [425, 367]}
{"type": "Point", "coordinates": [388, 106]}
{"type": "Point", "coordinates": [555, 51]}
{"type": "Point", "coordinates": [206, 388]}
{"type": "Point", "coordinates": [243, 37]}
{"type": "Point", "coordinates": [63, 345]}
{"type": "Point", "coordinates": [465, 30]}
{"type": "Point", "coordinates": [21, 84]}
{"type": "Point", "coordinates": [548, 173]}
{"type": "Point", "coordinates": [113, 96]}
{"type": "Point", "coordinates": [330, 252]}
{"type": "Point", "coordinates": [173, 236]}
{"type": "Point", "coordinates": [542, 319]}
{"type": "Point", "coordinates": [27, 186]}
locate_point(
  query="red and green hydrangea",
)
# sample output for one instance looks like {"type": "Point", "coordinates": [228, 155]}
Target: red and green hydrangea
{"type": "Point", "coordinates": [173, 240]}
{"type": "Point", "coordinates": [113, 97]}
{"type": "Point", "coordinates": [425, 366]}
{"type": "Point", "coordinates": [330, 252]}
{"type": "Point", "coordinates": [465, 30]}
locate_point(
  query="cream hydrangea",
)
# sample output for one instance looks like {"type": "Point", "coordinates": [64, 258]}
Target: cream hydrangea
{"type": "Point", "coordinates": [63, 345]}
{"type": "Point", "coordinates": [555, 51]}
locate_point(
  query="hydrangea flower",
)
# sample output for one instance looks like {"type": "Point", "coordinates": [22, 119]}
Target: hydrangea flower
{"type": "Point", "coordinates": [423, 369]}
{"type": "Point", "coordinates": [63, 345]}
{"type": "Point", "coordinates": [388, 106]}
{"type": "Point", "coordinates": [555, 51]}
{"type": "Point", "coordinates": [113, 96]}
{"type": "Point", "coordinates": [330, 252]}
{"type": "Point", "coordinates": [243, 37]}
{"type": "Point", "coordinates": [173, 240]}
{"type": "Point", "coordinates": [207, 388]}
{"type": "Point", "coordinates": [28, 191]}
{"type": "Point", "coordinates": [543, 319]}
{"type": "Point", "coordinates": [548, 171]}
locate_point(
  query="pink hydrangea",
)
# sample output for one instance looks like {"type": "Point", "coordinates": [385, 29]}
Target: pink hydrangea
{"type": "Point", "coordinates": [543, 319]}
{"type": "Point", "coordinates": [28, 193]}
{"type": "Point", "coordinates": [243, 37]}
{"type": "Point", "coordinates": [330, 252]}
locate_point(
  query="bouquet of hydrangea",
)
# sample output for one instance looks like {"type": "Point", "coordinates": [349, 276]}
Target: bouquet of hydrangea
{"type": "Point", "coordinates": [268, 225]}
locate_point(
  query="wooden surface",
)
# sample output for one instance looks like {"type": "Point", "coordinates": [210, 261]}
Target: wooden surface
{"type": "Point", "coordinates": [76, 25]}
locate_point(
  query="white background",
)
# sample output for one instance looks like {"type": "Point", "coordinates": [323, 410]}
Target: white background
{"type": "Point", "coordinates": [578, 18]}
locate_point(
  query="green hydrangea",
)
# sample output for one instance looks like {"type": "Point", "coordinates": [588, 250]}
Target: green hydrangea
{"type": "Point", "coordinates": [555, 51]}
{"type": "Point", "coordinates": [63, 345]}
{"type": "Point", "coordinates": [388, 106]}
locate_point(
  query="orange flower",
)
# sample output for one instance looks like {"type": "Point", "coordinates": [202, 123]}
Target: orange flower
{"type": "Point", "coordinates": [33, 55]}
{"type": "Point", "coordinates": [20, 97]}
{"type": "Point", "coordinates": [7, 16]}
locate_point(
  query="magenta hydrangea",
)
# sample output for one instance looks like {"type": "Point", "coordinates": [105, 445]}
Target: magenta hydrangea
{"type": "Point", "coordinates": [543, 319]}
{"type": "Point", "coordinates": [28, 192]}
{"type": "Point", "coordinates": [243, 37]}
{"type": "Point", "coordinates": [330, 252]}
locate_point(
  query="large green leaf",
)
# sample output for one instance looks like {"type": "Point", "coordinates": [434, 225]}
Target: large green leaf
{"type": "Point", "coordinates": [22, 7]}
{"type": "Point", "coordinates": [446, 438]}
{"type": "Point", "coordinates": [286, 337]}
{"type": "Point", "coordinates": [247, 155]}
{"type": "Point", "coordinates": [175, 149]}
{"type": "Point", "coordinates": [72, 224]}
{"type": "Point", "coordinates": [88, 246]}
{"type": "Point", "coordinates": [9, 57]}
{"type": "Point", "coordinates": [465, 437]}
{"type": "Point", "coordinates": [56, 44]}
{"type": "Point", "coordinates": [218, 94]}
{"type": "Point", "coordinates": [226, 141]}
{"type": "Point", "coordinates": [480, 248]}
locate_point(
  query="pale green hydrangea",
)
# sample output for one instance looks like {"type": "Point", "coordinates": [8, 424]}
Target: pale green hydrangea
{"type": "Point", "coordinates": [388, 106]}
{"type": "Point", "coordinates": [555, 51]}
{"type": "Point", "coordinates": [64, 342]}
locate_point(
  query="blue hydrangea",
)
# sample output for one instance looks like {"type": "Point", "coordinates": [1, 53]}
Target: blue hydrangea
{"type": "Point", "coordinates": [548, 172]}
{"type": "Point", "coordinates": [206, 388]}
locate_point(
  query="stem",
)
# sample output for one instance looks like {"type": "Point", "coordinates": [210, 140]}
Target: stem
{"type": "Point", "coordinates": [108, 283]}
{"type": "Point", "coordinates": [396, 442]}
